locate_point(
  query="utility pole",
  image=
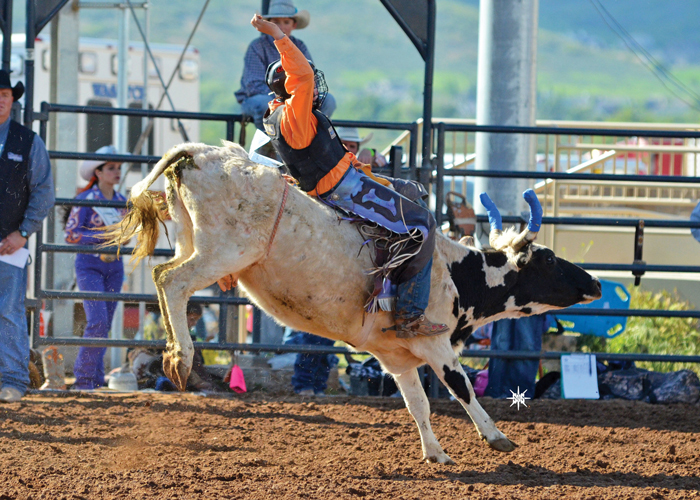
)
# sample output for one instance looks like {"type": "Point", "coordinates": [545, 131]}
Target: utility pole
{"type": "Point", "coordinates": [117, 355]}
{"type": "Point", "coordinates": [123, 80]}
{"type": "Point", "coordinates": [63, 136]}
{"type": "Point", "coordinates": [7, 36]}
{"type": "Point", "coordinates": [506, 95]}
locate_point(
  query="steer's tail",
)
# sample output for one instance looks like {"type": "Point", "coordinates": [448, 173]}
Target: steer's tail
{"type": "Point", "coordinates": [146, 211]}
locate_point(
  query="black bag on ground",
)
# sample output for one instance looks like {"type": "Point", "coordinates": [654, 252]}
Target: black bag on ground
{"type": "Point", "coordinates": [368, 379]}
{"type": "Point", "coordinates": [652, 387]}
{"type": "Point", "coordinates": [633, 384]}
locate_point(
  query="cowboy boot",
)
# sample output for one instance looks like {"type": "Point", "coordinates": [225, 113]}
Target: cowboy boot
{"type": "Point", "coordinates": [54, 370]}
{"type": "Point", "coordinates": [420, 325]}
{"type": "Point", "coordinates": [35, 365]}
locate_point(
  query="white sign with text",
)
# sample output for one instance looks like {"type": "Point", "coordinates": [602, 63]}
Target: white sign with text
{"type": "Point", "coordinates": [579, 376]}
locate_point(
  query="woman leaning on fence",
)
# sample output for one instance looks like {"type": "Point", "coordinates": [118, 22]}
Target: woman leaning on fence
{"type": "Point", "coordinates": [95, 272]}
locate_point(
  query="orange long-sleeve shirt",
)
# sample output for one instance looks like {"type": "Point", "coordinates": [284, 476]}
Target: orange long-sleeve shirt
{"type": "Point", "coordinates": [298, 123]}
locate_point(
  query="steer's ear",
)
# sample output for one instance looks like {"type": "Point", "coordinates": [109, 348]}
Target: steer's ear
{"type": "Point", "coordinates": [524, 256]}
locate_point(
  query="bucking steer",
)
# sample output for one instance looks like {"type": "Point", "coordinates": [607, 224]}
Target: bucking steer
{"type": "Point", "coordinates": [300, 264]}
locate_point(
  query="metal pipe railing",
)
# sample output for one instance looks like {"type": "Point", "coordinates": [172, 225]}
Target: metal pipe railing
{"type": "Point", "coordinates": [58, 294]}
{"type": "Point", "coordinates": [311, 349]}
{"type": "Point", "coordinates": [136, 297]}
{"type": "Point", "coordinates": [599, 221]}
{"type": "Point", "coordinates": [511, 129]}
{"type": "Point", "coordinates": [512, 174]}
{"type": "Point", "coordinates": [147, 113]}
{"type": "Point", "coordinates": [46, 247]}
{"type": "Point", "coordinates": [413, 130]}
{"type": "Point", "coordinates": [41, 247]}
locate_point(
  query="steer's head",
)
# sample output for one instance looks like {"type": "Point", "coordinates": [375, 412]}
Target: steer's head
{"type": "Point", "coordinates": [516, 277]}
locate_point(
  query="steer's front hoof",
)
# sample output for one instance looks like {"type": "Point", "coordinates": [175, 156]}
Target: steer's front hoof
{"type": "Point", "coordinates": [441, 458]}
{"type": "Point", "coordinates": [503, 444]}
{"type": "Point", "coordinates": [176, 370]}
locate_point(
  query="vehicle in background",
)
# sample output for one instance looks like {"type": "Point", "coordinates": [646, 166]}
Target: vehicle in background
{"type": "Point", "coordinates": [97, 86]}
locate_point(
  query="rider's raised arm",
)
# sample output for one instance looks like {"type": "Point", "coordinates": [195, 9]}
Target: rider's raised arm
{"type": "Point", "coordinates": [298, 126]}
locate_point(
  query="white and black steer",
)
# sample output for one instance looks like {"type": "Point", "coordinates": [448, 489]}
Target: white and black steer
{"type": "Point", "coordinates": [515, 277]}
{"type": "Point", "coordinates": [238, 219]}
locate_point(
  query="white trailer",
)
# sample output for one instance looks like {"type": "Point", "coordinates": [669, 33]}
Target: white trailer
{"type": "Point", "coordinates": [97, 82]}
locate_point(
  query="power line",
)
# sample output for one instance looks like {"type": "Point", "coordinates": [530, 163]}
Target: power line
{"type": "Point", "coordinates": [656, 64]}
{"type": "Point", "coordinates": [647, 60]}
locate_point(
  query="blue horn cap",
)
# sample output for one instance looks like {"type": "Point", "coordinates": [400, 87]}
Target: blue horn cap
{"type": "Point", "coordinates": [535, 211]}
{"type": "Point", "coordinates": [493, 213]}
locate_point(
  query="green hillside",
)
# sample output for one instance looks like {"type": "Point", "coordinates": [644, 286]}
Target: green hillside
{"type": "Point", "coordinates": [668, 29]}
{"type": "Point", "coordinates": [584, 72]}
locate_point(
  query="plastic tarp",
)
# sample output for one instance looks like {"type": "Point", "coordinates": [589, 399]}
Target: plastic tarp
{"type": "Point", "coordinates": [635, 384]}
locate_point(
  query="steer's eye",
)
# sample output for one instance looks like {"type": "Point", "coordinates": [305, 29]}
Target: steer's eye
{"type": "Point", "coordinates": [550, 260]}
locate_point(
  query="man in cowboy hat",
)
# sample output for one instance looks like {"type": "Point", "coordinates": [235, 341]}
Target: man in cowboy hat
{"type": "Point", "coordinates": [26, 196]}
{"type": "Point", "coordinates": [350, 137]}
{"type": "Point", "coordinates": [254, 95]}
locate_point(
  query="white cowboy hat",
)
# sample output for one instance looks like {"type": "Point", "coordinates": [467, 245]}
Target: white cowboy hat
{"type": "Point", "coordinates": [285, 8]}
{"type": "Point", "coordinates": [351, 134]}
{"type": "Point", "coordinates": [87, 168]}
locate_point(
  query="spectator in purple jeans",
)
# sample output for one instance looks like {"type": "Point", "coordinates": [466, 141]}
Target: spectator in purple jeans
{"type": "Point", "coordinates": [95, 272]}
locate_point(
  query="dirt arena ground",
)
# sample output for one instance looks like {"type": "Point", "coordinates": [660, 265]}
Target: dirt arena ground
{"type": "Point", "coordinates": [97, 446]}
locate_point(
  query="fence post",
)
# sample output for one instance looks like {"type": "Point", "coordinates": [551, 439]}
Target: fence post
{"type": "Point", "coordinates": [395, 160]}
{"type": "Point", "coordinates": [638, 248]}
{"type": "Point", "coordinates": [257, 320]}
{"type": "Point", "coordinates": [230, 130]}
{"type": "Point", "coordinates": [223, 320]}
{"type": "Point", "coordinates": [413, 151]}
{"type": "Point", "coordinates": [36, 319]}
{"type": "Point", "coordinates": [439, 180]}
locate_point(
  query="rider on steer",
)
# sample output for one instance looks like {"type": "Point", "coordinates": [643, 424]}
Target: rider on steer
{"type": "Point", "coordinates": [309, 146]}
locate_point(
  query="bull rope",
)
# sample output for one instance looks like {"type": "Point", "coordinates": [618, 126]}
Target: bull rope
{"type": "Point", "coordinates": [279, 218]}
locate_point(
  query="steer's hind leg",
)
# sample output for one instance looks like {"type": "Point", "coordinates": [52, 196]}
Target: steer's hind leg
{"type": "Point", "coordinates": [419, 408]}
{"type": "Point", "coordinates": [445, 364]}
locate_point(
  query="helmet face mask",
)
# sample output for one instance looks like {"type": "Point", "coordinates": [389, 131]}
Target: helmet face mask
{"type": "Point", "coordinates": [320, 88]}
{"type": "Point", "coordinates": [275, 77]}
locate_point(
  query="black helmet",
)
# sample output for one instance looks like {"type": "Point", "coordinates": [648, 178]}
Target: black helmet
{"type": "Point", "coordinates": [275, 77]}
